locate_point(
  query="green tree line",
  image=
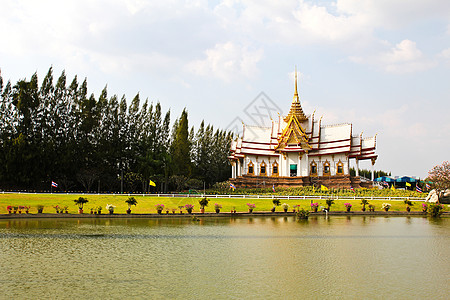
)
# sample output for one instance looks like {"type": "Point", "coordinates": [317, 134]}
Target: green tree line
{"type": "Point", "coordinates": [58, 132]}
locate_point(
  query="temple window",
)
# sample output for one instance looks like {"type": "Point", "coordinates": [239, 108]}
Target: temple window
{"type": "Point", "coordinates": [326, 168]}
{"type": "Point", "coordinates": [339, 168]}
{"type": "Point", "coordinates": [275, 169]}
{"type": "Point", "coordinates": [313, 169]}
{"type": "Point", "coordinates": [262, 169]}
{"type": "Point", "coordinates": [250, 168]}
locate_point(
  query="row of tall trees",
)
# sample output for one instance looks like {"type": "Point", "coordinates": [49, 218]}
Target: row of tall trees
{"type": "Point", "coordinates": [57, 132]}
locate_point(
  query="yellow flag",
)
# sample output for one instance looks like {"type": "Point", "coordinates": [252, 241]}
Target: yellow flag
{"type": "Point", "coordinates": [323, 188]}
{"type": "Point", "coordinates": [392, 187]}
{"type": "Point", "coordinates": [408, 184]}
{"type": "Point", "coordinates": [151, 183]}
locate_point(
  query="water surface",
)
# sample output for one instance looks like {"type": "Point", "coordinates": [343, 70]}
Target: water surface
{"type": "Point", "coordinates": [218, 258]}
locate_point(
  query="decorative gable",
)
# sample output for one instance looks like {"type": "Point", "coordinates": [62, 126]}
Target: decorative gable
{"type": "Point", "coordinates": [293, 135]}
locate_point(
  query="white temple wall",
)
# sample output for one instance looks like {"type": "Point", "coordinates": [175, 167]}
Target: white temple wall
{"type": "Point", "coordinates": [304, 166]}
{"type": "Point", "coordinates": [292, 158]}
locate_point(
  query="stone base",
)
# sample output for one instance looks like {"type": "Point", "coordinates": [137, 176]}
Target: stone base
{"type": "Point", "coordinates": [335, 182]}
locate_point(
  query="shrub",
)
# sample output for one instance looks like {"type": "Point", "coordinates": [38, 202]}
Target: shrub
{"type": "Point", "coordinates": [302, 214]}
{"type": "Point", "coordinates": [80, 202]}
{"type": "Point", "coordinates": [203, 202]}
{"type": "Point", "coordinates": [435, 210]}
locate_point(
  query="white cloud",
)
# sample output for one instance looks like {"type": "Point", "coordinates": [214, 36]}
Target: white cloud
{"type": "Point", "coordinates": [227, 61]}
{"type": "Point", "coordinates": [445, 54]}
{"type": "Point", "coordinates": [402, 58]}
{"type": "Point", "coordinates": [389, 14]}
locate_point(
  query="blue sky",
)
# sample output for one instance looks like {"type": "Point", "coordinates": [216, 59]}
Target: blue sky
{"type": "Point", "coordinates": [382, 65]}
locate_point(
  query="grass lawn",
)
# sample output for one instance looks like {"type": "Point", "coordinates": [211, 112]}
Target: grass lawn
{"type": "Point", "coordinates": [146, 204]}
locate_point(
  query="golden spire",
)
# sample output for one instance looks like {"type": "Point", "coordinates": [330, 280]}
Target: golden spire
{"type": "Point", "coordinates": [296, 109]}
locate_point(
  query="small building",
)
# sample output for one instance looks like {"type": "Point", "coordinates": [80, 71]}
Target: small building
{"type": "Point", "coordinates": [299, 150]}
{"type": "Point", "coordinates": [402, 182]}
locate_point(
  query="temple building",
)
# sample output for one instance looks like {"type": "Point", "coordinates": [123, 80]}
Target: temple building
{"type": "Point", "coordinates": [298, 150]}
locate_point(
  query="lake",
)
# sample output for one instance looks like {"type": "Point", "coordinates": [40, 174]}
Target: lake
{"type": "Point", "coordinates": [226, 258]}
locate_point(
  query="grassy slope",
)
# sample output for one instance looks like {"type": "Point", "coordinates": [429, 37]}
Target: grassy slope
{"type": "Point", "coordinates": [146, 204]}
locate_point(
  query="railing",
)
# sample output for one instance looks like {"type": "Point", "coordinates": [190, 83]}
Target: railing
{"type": "Point", "coordinates": [311, 197]}
{"type": "Point", "coordinates": [322, 197]}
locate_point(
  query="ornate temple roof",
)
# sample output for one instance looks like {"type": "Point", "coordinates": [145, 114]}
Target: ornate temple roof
{"type": "Point", "coordinates": [296, 109]}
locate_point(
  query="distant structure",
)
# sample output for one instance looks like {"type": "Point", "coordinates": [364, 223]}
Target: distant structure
{"type": "Point", "coordinates": [297, 150]}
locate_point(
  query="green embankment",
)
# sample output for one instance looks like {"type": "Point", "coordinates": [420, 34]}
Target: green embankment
{"type": "Point", "coordinates": [146, 204]}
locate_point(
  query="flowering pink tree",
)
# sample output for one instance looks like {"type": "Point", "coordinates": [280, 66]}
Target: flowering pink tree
{"type": "Point", "coordinates": [440, 178]}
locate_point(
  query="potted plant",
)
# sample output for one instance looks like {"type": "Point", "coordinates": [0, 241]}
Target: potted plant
{"type": "Point", "coordinates": [56, 208]}
{"type": "Point", "coordinates": [424, 207]}
{"type": "Point", "coordinates": [314, 206]}
{"type": "Point", "coordinates": [99, 210]}
{"type": "Point", "coordinates": [189, 208]}
{"type": "Point", "coordinates": [40, 208]}
{"type": "Point", "coordinates": [203, 203]}
{"type": "Point", "coordinates": [285, 207]}
{"type": "Point", "coordinates": [251, 207]}
{"type": "Point", "coordinates": [110, 208]}
{"type": "Point", "coordinates": [181, 209]}
{"type": "Point", "coordinates": [371, 207]}
{"type": "Point", "coordinates": [174, 210]}
{"type": "Point", "coordinates": [217, 207]}
{"type": "Point", "coordinates": [294, 208]}
{"type": "Point", "coordinates": [130, 201]}
{"type": "Point", "coordinates": [27, 209]}
{"type": "Point", "coordinates": [276, 203]}
{"type": "Point", "coordinates": [159, 208]}
{"type": "Point", "coordinates": [9, 209]}
{"type": "Point", "coordinates": [302, 214]}
{"type": "Point", "coordinates": [167, 210]}
{"type": "Point", "coordinates": [364, 202]}
{"type": "Point", "coordinates": [233, 210]}
{"type": "Point", "coordinates": [20, 208]}
{"type": "Point", "coordinates": [348, 206]}
{"type": "Point", "coordinates": [329, 202]}
{"type": "Point", "coordinates": [386, 206]}
{"type": "Point", "coordinates": [15, 208]}
{"type": "Point", "coordinates": [435, 210]}
{"type": "Point", "coordinates": [93, 210]}
{"type": "Point", "coordinates": [80, 202]}
{"type": "Point", "coordinates": [65, 209]}
{"type": "Point", "coordinates": [408, 205]}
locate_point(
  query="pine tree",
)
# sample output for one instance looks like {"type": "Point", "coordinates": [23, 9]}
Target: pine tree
{"type": "Point", "coordinates": [181, 147]}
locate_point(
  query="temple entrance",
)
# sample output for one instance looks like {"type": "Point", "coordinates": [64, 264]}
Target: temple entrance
{"type": "Point", "coordinates": [293, 170]}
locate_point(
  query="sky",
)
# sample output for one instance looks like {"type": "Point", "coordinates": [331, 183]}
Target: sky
{"type": "Point", "coordinates": [382, 65]}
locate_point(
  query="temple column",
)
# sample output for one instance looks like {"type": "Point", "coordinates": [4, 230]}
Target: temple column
{"type": "Point", "coordinates": [239, 171]}
{"type": "Point", "coordinates": [288, 167]}
{"type": "Point", "coordinates": [233, 169]}
{"type": "Point", "coordinates": [348, 166]}
{"type": "Point", "coordinates": [373, 170]}
{"type": "Point", "coordinates": [307, 164]}
{"type": "Point", "coordinates": [357, 166]}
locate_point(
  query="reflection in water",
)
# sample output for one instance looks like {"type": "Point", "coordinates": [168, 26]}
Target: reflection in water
{"type": "Point", "coordinates": [236, 258]}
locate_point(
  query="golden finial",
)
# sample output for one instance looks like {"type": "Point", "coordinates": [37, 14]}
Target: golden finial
{"type": "Point", "coordinates": [296, 93]}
